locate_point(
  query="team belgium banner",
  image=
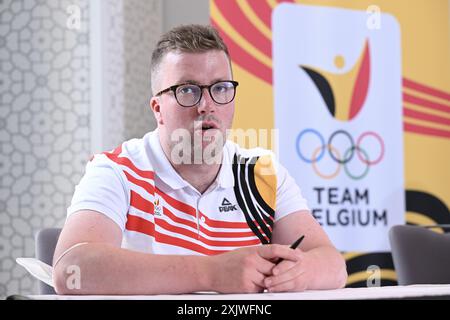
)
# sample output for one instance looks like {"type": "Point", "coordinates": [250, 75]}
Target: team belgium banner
{"type": "Point", "coordinates": [359, 94]}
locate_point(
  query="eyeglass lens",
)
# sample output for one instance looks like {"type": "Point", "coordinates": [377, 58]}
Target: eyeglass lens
{"type": "Point", "coordinates": [190, 94]}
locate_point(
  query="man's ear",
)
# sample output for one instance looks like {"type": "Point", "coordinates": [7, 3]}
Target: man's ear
{"type": "Point", "coordinates": [155, 106]}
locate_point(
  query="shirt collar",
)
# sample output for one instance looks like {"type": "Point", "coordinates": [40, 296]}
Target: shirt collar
{"type": "Point", "coordinates": [161, 165]}
{"type": "Point", "coordinates": [164, 170]}
{"type": "Point", "coordinates": [225, 177]}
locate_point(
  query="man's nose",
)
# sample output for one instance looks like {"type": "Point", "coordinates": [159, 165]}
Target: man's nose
{"type": "Point", "coordinates": [206, 103]}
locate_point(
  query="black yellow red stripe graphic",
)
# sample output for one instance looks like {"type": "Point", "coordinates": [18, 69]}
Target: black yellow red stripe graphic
{"type": "Point", "coordinates": [258, 214]}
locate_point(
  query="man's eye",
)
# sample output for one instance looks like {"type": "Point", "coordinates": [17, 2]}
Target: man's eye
{"type": "Point", "coordinates": [220, 88]}
{"type": "Point", "coordinates": [187, 90]}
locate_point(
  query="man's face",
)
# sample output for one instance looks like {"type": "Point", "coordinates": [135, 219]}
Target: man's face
{"type": "Point", "coordinates": [196, 68]}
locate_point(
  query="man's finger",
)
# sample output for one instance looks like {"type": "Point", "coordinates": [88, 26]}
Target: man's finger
{"type": "Point", "coordinates": [283, 287]}
{"type": "Point", "coordinates": [289, 275]}
{"type": "Point", "coordinates": [273, 251]}
{"type": "Point", "coordinates": [283, 267]}
{"type": "Point", "coordinates": [259, 280]}
{"type": "Point", "coordinates": [264, 266]}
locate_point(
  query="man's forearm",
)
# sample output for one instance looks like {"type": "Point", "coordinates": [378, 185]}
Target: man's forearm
{"type": "Point", "coordinates": [104, 269]}
{"type": "Point", "coordinates": [330, 271]}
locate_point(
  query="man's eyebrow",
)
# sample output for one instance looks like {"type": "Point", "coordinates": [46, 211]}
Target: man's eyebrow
{"type": "Point", "coordinates": [190, 81]}
{"type": "Point", "coordinates": [182, 81]}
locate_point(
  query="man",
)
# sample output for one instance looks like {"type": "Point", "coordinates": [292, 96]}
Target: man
{"type": "Point", "coordinates": [161, 215]}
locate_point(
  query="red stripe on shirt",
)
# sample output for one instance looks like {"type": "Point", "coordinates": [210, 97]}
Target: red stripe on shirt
{"type": "Point", "coordinates": [185, 208]}
{"type": "Point", "coordinates": [138, 224]}
{"type": "Point", "coordinates": [163, 238]}
{"type": "Point", "coordinates": [116, 151]}
{"type": "Point", "coordinates": [210, 233]}
{"type": "Point", "coordinates": [140, 203]}
{"type": "Point", "coordinates": [143, 184]}
{"type": "Point", "coordinates": [177, 204]}
{"type": "Point", "coordinates": [177, 219]}
{"type": "Point", "coordinates": [215, 243]}
{"type": "Point", "coordinates": [127, 163]}
{"type": "Point", "coordinates": [226, 224]}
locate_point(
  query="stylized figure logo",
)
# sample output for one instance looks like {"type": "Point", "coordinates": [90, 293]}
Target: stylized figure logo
{"type": "Point", "coordinates": [345, 105]}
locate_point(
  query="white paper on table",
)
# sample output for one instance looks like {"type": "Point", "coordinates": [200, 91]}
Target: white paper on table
{"type": "Point", "coordinates": [37, 269]}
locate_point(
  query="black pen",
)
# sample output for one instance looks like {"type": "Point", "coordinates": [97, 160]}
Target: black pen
{"type": "Point", "coordinates": [293, 246]}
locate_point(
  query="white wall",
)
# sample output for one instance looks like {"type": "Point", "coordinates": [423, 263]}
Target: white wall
{"type": "Point", "coordinates": [44, 124]}
{"type": "Point", "coordinates": [122, 35]}
{"type": "Point", "coordinates": [185, 12]}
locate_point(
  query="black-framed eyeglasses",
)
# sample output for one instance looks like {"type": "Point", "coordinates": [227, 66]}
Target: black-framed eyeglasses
{"type": "Point", "coordinates": [189, 94]}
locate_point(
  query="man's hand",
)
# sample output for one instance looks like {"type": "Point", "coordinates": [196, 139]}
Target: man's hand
{"type": "Point", "coordinates": [245, 270]}
{"type": "Point", "coordinates": [294, 273]}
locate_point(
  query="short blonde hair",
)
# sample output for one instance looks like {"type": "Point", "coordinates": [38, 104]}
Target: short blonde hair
{"type": "Point", "coordinates": [192, 38]}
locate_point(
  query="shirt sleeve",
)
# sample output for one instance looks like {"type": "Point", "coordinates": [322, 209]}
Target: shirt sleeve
{"type": "Point", "coordinates": [102, 189]}
{"type": "Point", "coordinates": [289, 195]}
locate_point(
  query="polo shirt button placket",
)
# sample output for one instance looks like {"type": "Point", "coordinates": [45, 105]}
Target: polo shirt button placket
{"type": "Point", "coordinates": [197, 213]}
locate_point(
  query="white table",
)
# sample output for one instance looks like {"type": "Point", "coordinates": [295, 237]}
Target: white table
{"type": "Point", "coordinates": [387, 292]}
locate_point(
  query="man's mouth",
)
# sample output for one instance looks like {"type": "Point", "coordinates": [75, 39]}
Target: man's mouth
{"type": "Point", "coordinates": [208, 125]}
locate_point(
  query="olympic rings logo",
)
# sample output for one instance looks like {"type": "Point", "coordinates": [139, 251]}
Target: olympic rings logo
{"type": "Point", "coordinates": [319, 152]}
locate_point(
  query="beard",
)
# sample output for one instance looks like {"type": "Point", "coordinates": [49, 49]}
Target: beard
{"type": "Point", "coordinates": [198, 145]}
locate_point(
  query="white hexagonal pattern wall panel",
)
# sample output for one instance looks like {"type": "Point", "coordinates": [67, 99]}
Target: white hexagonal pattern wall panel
{"type": "Point", "coordinates": [45, 112]}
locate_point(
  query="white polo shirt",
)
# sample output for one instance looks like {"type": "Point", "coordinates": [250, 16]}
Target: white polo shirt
{"type": "Point", "coordinates": [159, 212]}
